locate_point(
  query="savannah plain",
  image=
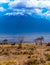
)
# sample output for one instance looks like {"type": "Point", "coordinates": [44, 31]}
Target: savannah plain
{"type": "Point", "coordinates": [25, 54]}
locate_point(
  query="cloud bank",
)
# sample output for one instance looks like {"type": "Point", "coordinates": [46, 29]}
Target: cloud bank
{"type": "Point", "coordinates": [2, 9]}
{"type": "Point", "coordinates": [31, 7]}
{"type": "Point", "coordinates": [4, 1]}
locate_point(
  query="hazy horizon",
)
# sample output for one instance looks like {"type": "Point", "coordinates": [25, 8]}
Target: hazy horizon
{"type": "Point", "coordinates": [27, 37]}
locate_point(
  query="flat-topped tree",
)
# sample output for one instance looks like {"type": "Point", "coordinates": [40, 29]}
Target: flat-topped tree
{"type": "Point", "coordinates": [39, 39]}
{"type": "Point", "coordinates": [20, 39]}
{"type": "Point", "coordinates": [5, 41]}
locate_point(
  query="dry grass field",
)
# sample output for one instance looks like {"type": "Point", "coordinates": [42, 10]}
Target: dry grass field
{"type": "Point", "coordinates": [25, 54]}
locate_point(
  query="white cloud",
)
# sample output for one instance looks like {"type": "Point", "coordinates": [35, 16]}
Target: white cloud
{"type": "Point", "coordinates": [31, 3]}
{"type": "Point", "coordinates": [47, 15]}
{"type": "Point", "coordinates": [36, 5]}
{"type": "Point", "coordinates": [4, 1]}
{"type": "Point", "coordinates": [14, 13]}
{"type": "Point", "coordinates": [13, 3]}
{"type": "Point", "coordinates": [2, 9]}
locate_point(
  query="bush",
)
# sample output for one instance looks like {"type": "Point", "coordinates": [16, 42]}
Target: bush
{"type": "Point", "coordinates": [5, 53]}
{"type": "Point", "coordinates": [47, 64]}
{"type": "Point", "coordinates": [42, 60]}
{"type": "Point", "coordinates": [47, 49]}
{"type": "Point", "coordinates": [29, 56]}
{"type": "Point", "coordinates": [48, 57]}
{"type": "Point", "coordinates": [48, 44]}
{"type": "Point", "coordinates": [32, 62]}
{"type": "Point", "coordinates": [30, 53]}
{"type": "Point", "coordinates": [19, 45]}
{"type": "Point", "coordinates": [16, 53]}
{"type": "Point", "coordinates": [11, 63]}
{"type": "Point", "coordinates": [25, 52]}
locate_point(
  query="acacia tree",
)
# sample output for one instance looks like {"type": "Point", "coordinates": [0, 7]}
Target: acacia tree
{"type": "Point", "coordinates": [20, 39]}
{"type": "Point", "coordinates": [39, 39]}
{"type": "Point", "coordinates": [5, 41]}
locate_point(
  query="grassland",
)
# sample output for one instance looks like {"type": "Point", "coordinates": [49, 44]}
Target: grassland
{"type": "Point", "coordinates": [25, 54]}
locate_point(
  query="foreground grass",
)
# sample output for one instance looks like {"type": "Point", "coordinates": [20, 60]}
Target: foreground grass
{"type": "Point", "coordinates": [25, 54]}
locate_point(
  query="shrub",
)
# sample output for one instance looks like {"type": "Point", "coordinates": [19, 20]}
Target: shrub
{"type": "Point", "coordinates": [47, 49]}
{"type": "Point", "coordinates": [42, 60]}
{"type": "Point", "coordinates": [32, 62]}
{"type": "Point", "coordinates": [11, 63]}
{"type": "Point", "coordinates": [29, 56]}
{"type": "Point", "coordinates": [48, 44]}
{"type": "Point", "coordinates": [5, 53]}
{"type": "Point", "coordinates": [32, 48]}
{"type": "Point", "coordinates": [48, 57]}
{"type": "Point", "coordinates": [16, 53]}
{"type": "Point", "coordinates": [47, 64]}
{"type": "Point", "coordinates": [19, 45]}
{"type": "Point", "coordinates": [30, 53]}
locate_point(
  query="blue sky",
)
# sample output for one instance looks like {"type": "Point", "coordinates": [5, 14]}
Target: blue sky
{"type": "Point", "coordinates": [22, 7]}
{"type": "Point", "coordinates": [38, 19]}
{"type": "Point", "coordinates": [13, 20]}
